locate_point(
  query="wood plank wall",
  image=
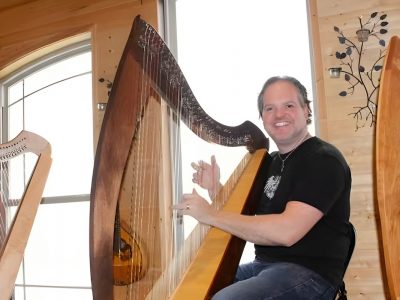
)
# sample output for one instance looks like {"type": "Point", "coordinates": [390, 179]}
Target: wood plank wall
{"type": "Point", "coordinates": [365, 278]}
{"type": "Point", "coordinates": [26, 26]}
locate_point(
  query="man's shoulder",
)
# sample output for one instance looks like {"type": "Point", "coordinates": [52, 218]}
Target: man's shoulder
{"type": "Point", "coordinates": [322, 147]}
{"type": "Point", "coordinates": [323, 151]}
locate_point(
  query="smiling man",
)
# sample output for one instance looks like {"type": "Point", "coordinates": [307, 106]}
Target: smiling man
{"type": "Point", "coordinates": [301, 226]}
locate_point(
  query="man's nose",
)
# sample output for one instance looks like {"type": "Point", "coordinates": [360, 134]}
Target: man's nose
{"type": "Point", "coordinates": [279, 112]}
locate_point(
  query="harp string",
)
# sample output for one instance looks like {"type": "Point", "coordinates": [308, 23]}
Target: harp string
{"type": "Point", "coordinates": [170, 277]}
{"type": "Point", "coordinates": [142, 141]}
{"type": "Point", "coordinates": [146, 228]}
{"type": "Point", "coordinates": [11, 190]}
{"type": "Point", "coordinates": [5, 211]}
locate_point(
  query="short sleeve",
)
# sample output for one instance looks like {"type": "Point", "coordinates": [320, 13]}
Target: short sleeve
{"type": "Point", "coordinates": [321, 182]}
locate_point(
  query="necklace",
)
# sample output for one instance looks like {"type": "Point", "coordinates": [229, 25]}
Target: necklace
{"type": "Point", "coordinates": [290, 153]}
{"type": "Point", "coordinates": [284, 159]}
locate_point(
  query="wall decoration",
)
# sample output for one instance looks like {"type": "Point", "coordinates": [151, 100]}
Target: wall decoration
{"type": "Point", "coordinates": [353, 62]}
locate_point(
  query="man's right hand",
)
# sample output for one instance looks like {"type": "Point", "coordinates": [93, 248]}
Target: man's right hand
{"type": "Point", "coordinates": [207, 176]}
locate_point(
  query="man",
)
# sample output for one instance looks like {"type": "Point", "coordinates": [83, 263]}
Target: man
{"type": "Point", "coordinates": [300, 229]}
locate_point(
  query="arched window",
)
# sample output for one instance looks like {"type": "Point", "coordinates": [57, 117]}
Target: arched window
{"type": "Point", "coordinates": [52, 97]}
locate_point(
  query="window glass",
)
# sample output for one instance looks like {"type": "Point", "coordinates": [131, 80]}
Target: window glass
{"type": "Point", "coordinates": [43, 293]}
{"type": "Point", "coordinates": [65, 106]}
{"type": "Point", "coordinates": [15, 92]}
{"type": "Point", "coordinates": [59, 71]}
{"type": "Point", "coordinates": [15, 119]}
{"type": "Point", "coordinates": [60, 99]}
{"type": "Point", "coordinates": [59, 254]}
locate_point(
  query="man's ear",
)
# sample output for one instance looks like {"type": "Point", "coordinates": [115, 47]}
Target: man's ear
{"type": "Point", "coordinates": [306, 112]}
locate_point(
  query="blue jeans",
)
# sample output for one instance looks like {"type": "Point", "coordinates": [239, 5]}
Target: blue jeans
{"type": "Point", "coordinates": [280, 280]}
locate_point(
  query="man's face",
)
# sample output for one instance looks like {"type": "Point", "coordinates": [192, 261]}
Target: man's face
{"type": "Point", "coordinates": [284, 118]}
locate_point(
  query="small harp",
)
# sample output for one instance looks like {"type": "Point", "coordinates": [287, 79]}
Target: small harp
{"type": "Point", "coordinates": [19, 203]}
{"type": "Point", "coordinates": [387, 164]}
{"type": "Point", "coordinates": [126, 223]}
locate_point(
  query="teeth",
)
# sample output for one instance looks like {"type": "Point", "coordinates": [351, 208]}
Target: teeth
{"type": "Point", "coordinates": [280, 124]}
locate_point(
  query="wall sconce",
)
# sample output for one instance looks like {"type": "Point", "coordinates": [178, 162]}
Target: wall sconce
{"type": "Point", "coordinates": [363, 34]}
{"type": "Point", "coordinates": [334, 72]}
{"type": "Point", "coordinates": [359, 72]}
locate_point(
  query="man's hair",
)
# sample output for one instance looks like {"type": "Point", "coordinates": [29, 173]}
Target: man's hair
{"type": "Point", "coordinates": [302, 93]}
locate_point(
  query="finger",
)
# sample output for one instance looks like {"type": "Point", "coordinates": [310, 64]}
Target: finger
{"type": "Point", "coordinates": [201, 165]}
{"type": "Point", "coordinates": [197, 176]}
{"type": "Point", "coordinates": [195, 166]}
{"type": "Point", "coordinates": [177, 206]}
{"type": "Point", "coordinates": [184, 205]}
{"type": "Point", "coordinates": [187, 197]}
{"type": "Point", "coordinates": [180, 207]}
{"type": "Point", "coordinates": [213, 161]}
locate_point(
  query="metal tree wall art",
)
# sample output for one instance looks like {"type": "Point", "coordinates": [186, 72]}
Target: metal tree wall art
{"type": "Point", "coordinates": [356, 73]}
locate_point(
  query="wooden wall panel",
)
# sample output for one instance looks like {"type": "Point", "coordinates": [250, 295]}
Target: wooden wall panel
{"type": "Point", "coordinates": [365, 278]}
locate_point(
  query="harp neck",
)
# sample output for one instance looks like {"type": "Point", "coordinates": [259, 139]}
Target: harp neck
{"type": "Point", "coordinates": [152, 54]}
{"type": "Point", "coordinates": [25, 142]}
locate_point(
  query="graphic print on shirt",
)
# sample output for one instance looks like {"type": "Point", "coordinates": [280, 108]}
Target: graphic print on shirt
{"type": "Point", "coordinates": [271, 186]}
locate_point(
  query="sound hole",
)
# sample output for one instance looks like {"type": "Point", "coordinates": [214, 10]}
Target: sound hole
{"type": "Point", "coordinates": [129, 264]}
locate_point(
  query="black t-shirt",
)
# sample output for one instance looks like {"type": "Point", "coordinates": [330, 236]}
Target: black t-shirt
{"type": "Point", "coordinates": [315, 173]}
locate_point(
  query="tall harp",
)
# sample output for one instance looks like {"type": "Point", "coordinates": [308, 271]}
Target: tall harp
{"type": "Point", "coordinates": [388, 164]}
{"type": "Point", "coordinates": [20, 198]}
{"type": "Point", "coordinates": [132, 250]}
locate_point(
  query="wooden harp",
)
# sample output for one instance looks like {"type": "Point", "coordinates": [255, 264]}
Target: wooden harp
{"type": "Point", "coordinates": [388, 164]}
{"type": "Point", "coordinates": [146, 74]}
{"type": "Point", "coordinates": [19, 201]}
